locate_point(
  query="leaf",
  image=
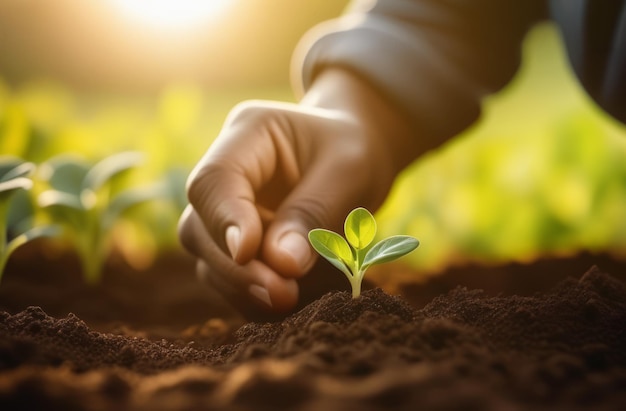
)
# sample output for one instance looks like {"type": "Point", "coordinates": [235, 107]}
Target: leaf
{"type": "Point", "coordinates": [103, 171]}
{"type": "Point", "coordinates": [20, 213]}
{"type": "Point", "coordinates": [64, 173]}
{"type": "Point", "coordinates": [33, 233]}
{"type": "Point", "coordinates": [10, 187]}
{"type": "Point", "coordinates": [7, 163]}
{"type": "Point", "coordinates": [175, 180]}
{"type": "Point", "coordinates": [51, 198]}
{"type": "Point", "coordinates": [64, 207]}
{"type": "Point", "coordinates": [21, 170]}
{"type": "Point", "coordinates": [332, 247]}
{"type": "Point", "coordinates": [129, 198]}
{"type": "Point", "coordinates": [389, 249]}
{"type": "Point", "coordinates": [360, 228]}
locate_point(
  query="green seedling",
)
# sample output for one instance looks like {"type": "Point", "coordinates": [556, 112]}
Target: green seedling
{"type": "Point", "coordinates": [354, 256]}
{"type": "Point", "coordinates": [15, 209]}
{"type": "Point", "coordinates": [88, 200]}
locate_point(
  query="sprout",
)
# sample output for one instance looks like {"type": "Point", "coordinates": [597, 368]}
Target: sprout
{"type": "Point", "coordinates": [15, 209]}
{"type": "Point", "coordinates": [89, 200]}
{"type": "Point", "coordinates": [354, 256]}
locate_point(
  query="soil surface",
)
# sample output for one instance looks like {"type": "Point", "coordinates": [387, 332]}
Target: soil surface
{"type": "Point", "coordinates": [544, 336]}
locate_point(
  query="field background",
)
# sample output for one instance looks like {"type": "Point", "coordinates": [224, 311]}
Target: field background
{"type": "Point", "coordinates": [542, 173]}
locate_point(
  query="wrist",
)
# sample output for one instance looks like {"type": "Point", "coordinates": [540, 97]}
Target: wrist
{"type": "Point", "coordinates": [388, 128]}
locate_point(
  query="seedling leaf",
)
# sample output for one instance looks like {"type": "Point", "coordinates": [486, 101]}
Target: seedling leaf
{"type": "Point", "coordinates": [360, 228]}
{"type": "Point", "coordinates": [64, 173]}
{"type": "Point", "coordinates": [33, 233]}
{"type": "Point", "coordinates": [352, 256]}
{"type": "Point", "coordinates": [87, 200]}
{"type": "Point", "coordinates": [22, 170]}
{"type": "Point", "coordinates": [333, 248]}
{"type": "Point", "coordinates": [20, 213]}
{"type": "Point", "coordinates": [390, 249]}
{"type": "Point", "coordinates": [14, 184]}
{"type": "Point", "coordinates": [7, 163]}
{"type": "Point", "coordinates": [130, 198]}
{"type": "Point", "coordinates": [106, 169]}
{"type": "Point", "coordinates": [64, 207]}
{"type": "Point", "coordinates": [10, 187]}
{"type": "Point", "coordinates": [58, 198]}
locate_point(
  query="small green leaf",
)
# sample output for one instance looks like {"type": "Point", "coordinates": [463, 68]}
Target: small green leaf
{"type": "Point", "coordinates": [106, 169]}
{"type": "Point", "coordinates": [33, 233]}
{"type": "Point", "coordinates": [130, 198]}
{"type": "Point", "coordinates": [7, 163]}
{"type": "Point", "coordinates": [20, 213]}
{"type": "Point", "coordinates": [332, 247]}
{"type": "Point", "coordinates": [64, 207]}
{"type": "Point", "coordinates": [64, 173]}
{"type": "Point", "coordinates": [10, 187]}
{"type": "Point", "coordinates": [51, 198]}
{"type": "Point", "coordinates": [21, 170]}
{"type": "Point", "coordinates": [353, 257]}
{"type": "Point", "coordinates": [389, 249]}
{"type": "Point", "coordinates": [360, 228]}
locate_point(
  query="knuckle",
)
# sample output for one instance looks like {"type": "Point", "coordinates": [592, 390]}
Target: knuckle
{"type": "Point", "coordinates": [251, 112]}
{"type": "Point", "coordinates": [202, 182]}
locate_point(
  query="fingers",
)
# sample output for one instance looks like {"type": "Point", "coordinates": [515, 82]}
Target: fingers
{"type": "Point", "coordinates": [255, 301]}
{"type": "Point", "coordinates": [228, 192]}
{"type": "Point", "coordinates": [240, 284]}
{"type": "Point", "coordinates": [227, 186]}
{"type": "Point", "coordinates": [225, 200]}
{"type": "Point", "coordinates": [323, 198]}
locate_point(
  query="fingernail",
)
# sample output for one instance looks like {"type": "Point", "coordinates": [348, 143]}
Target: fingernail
{"type": "Point", "coordinates": [232, 240]}
{"type": "Point", "coordinates": [260, 294]}
{"type": "Point", "coordinates": [297, 247]}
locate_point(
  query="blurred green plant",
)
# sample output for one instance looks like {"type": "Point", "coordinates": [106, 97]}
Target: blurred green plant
{"type": "Point", "coordinates": [543, 172]}
{"type": "Point", "coordinates": [16, 211]}
{"type": "Point", "coordinates": [87, 200]}
{"type": "Point", "coordinates": [40, 119]}
{"type": "Point", "coordinates": [354, 256]}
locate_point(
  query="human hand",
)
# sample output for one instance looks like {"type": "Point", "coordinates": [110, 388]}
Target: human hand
{"type": "Point", "coordinates": [276, 171]}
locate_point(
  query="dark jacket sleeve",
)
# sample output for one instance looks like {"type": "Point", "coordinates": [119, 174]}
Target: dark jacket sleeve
{"type": "Point", "coordinates": [594, 33]}
{"type": "Point", "coordinates": [434, 59]}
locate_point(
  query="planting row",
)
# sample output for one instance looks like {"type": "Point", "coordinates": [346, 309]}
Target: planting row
{"type": "Point", "coordinates": [69, 197]}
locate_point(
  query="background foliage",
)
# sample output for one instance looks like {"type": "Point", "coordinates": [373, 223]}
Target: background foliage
{"type": "Point", "coordinates": [543, 172]}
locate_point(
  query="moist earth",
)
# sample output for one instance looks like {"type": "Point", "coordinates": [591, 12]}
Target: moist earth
{"type": "Point", "coordinates": [559, 346]}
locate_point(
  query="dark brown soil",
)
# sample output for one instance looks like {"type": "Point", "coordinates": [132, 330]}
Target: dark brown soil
{"type": "Point", "coordinates": [157, 341]}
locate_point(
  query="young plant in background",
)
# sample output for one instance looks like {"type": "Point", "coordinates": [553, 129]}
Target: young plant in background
{"type": "Point", "coordinates": [89, 200]}
{"type": "Point", "coordinates": [16, 210]}
{"type": "Point", "coordinates": [354, 256]}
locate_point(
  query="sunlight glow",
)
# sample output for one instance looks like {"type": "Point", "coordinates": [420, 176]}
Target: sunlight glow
{"type": "Point", "coordinates": [171, 14]}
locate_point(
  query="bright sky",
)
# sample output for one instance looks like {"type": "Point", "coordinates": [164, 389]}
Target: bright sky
{"type": "Point", "coordinates": [171, 14]}
{"type": "Point", "coordinates": [142, 44]}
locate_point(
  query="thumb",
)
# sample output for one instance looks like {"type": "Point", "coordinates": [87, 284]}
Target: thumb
{"type": "Point", "coordinates": [321, 200]}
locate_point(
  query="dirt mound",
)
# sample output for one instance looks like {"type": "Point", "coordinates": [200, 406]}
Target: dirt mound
{"type": "Point", "coordinates": [561, 349]}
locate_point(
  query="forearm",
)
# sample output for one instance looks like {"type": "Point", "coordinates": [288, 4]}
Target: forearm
{"type": "Point", "coordinates": [433, 59]}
